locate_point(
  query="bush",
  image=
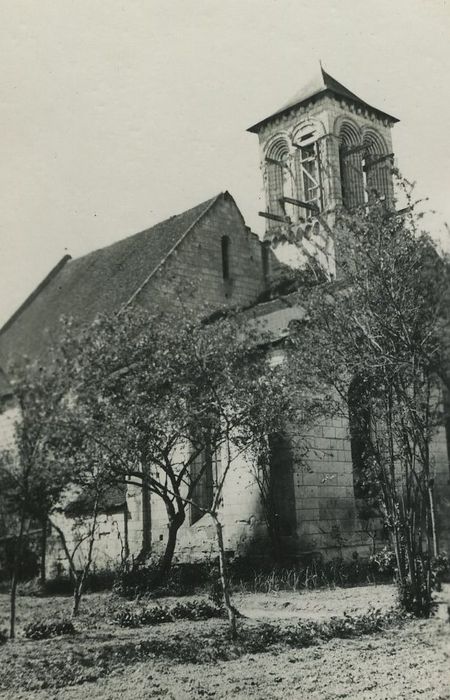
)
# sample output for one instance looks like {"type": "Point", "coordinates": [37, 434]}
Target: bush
{"type": "Point", "coordinates": [60, 585]}
{"type": "Point", "coordinates": [28, 565]}
{"type": "Point", "coordinates": [440, 568]}
{"type": "Point", "coordinates": [44, 629]}
{"type": "Point", "coordinates": [3, 637]}
{"type": "Point", "coordinates": [136, 579]}
{"type": "Point", "coordinates": [304, 634]}
{"type": "Point", "coordinates": [157, 614]}
{"type": "Point", "coordinates": [383, 562]}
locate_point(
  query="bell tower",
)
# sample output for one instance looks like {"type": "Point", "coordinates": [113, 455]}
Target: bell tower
{"type": "Point", "coordinates": [325, 149]}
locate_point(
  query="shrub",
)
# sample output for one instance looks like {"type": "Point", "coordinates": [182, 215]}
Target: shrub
{"type": "Point", "coordinates": [196, 610]}
{"type": "Point", "coordinates": [44, 629]}
{"type": "Point", "coordinates": [157, 614]}
{"type": "Point", "coordinates": [3, 637]}
{"type": "Point", "coordinates": [60, 585]}
{"type": "Point", "coordinates": [440, 568]}
{"type": "Point", "coordinates": [134, 579]}
{"type": "Point", "coordinates": [98, 580]}
{"type": "Point", "coordinates": [304, 633]}
{"type": "Point", "coordinates": [383, 562]}
{"type": "Point", "coordinates": [29, 561]}
{"type": "Point", "coordinates": [138, 578]}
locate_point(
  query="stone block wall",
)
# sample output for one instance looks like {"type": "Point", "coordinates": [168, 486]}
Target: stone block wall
{"type": "Point", "coordinates": [327, 519]}
{"type": "Point", "coordinates": [441, 459]}
{"type": "Point", "coordinates": [195, 267]}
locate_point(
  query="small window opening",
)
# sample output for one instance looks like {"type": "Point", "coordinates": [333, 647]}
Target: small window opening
{"type": "Point", "coordinates": [204, 474]}
{"type": "Point", "coordinates": [226, 257]}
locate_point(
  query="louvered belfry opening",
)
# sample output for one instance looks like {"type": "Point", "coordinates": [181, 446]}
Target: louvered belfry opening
{"type": "Point", "coordinates": [351, 166]}
{"type": "Point", "coordinates": [308, 166]}
{"type": "Point", "coordinates": [377, 168]}
{"type": "Point", "coordinates": [365, 167]}
{"type": "Point", "coordinates": [279, 176]}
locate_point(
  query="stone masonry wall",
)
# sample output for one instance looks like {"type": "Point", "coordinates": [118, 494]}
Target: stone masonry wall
{"type": "Point", "coordinates": [326, 513]}
{"type": "Point", "coordinates": [195, 267]}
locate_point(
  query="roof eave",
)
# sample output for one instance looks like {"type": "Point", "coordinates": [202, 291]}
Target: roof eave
{"type": "Point", "coordinates": [384, 115]}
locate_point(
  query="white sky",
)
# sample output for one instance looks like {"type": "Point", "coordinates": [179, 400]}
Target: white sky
{"type": "Point", "coordinates": [115, 115]}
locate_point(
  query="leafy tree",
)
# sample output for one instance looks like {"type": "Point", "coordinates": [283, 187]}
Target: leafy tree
{"type": "Point", "coordinates": [92, 482]}
{"type": "Point", "coordinates": [154, 394]}
{"type": "Point", "coordinates": [31, 478]}
{"type": "Point", "coordinates": [36, 469]}
{"type": "Point", "coordinates": [378, 332]}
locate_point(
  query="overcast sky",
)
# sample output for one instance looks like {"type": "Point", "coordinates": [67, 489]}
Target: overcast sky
{"type": "Point", "coordinates": [115, 115]}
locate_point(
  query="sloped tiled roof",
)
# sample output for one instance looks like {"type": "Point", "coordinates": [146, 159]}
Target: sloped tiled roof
{"type": "Point", "coordinates": [99, 282]}
{"type": "Point", "coordinates": [321, 83]}
{"type": "Point", "coordinates": [111, 501]}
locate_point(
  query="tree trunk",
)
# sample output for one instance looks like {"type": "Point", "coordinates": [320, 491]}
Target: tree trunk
{"type": "Point", "coordinates": [72, 572]}
{"type": "Point", "coordinates": [15, 578]}
{"type": "Point", "coordinates": [42, 563]}
{"type": "Point", "coordinates": [433, 522]}
{"type": "Point", "coordinates": [81, 580]}
{"type": "Point", "coordinates": [77, 593]}
{"type": "Point", "coordinates": [224, 578]}
{"type": "Point", "coordinates": [126, 544]}
{"type": "Point", "coordinates": [175, 522]}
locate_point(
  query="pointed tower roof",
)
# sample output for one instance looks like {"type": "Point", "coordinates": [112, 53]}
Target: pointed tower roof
{"type": "Point", "coordinates": [321, 84]}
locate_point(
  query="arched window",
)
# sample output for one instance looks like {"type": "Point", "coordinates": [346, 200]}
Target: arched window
{"type": "Point", "coordinates": [282, 489]}
{"type": "Point", "coordinates": [225, 257]}
{"type": "Point", "coordinates": [279, 176]}
{"type": "Point", "coordinates": [360, 420]}
{"type": "Point", "coordinates": [351, 167]}
{"type": "Point", "coordinates": [376, 168]}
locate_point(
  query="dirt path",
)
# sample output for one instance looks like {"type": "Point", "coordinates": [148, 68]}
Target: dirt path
{"type": "Point", "coordinates": [400, 664]}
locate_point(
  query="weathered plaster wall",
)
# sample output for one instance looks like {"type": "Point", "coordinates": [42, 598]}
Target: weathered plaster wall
{"type": "Point", "coordinates": [239, 513]}
{"type": "Point", "coordinates": [109, 543]}
{"type": "Point", "coordinates": [9, 415]}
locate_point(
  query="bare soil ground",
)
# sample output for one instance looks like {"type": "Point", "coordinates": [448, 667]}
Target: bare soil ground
{"type": "Point", "coordinates": [408, 661]}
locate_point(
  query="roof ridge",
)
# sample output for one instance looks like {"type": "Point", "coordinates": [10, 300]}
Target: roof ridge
{"type": "Point", "coordinates": [208, 204]}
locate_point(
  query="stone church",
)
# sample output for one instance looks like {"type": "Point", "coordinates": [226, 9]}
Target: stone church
{"type": "Point", "coordinates": [324, 149]}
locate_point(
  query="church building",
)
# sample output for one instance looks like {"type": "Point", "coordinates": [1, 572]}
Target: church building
{"type": "Point", "coordinates": [326, 148]}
